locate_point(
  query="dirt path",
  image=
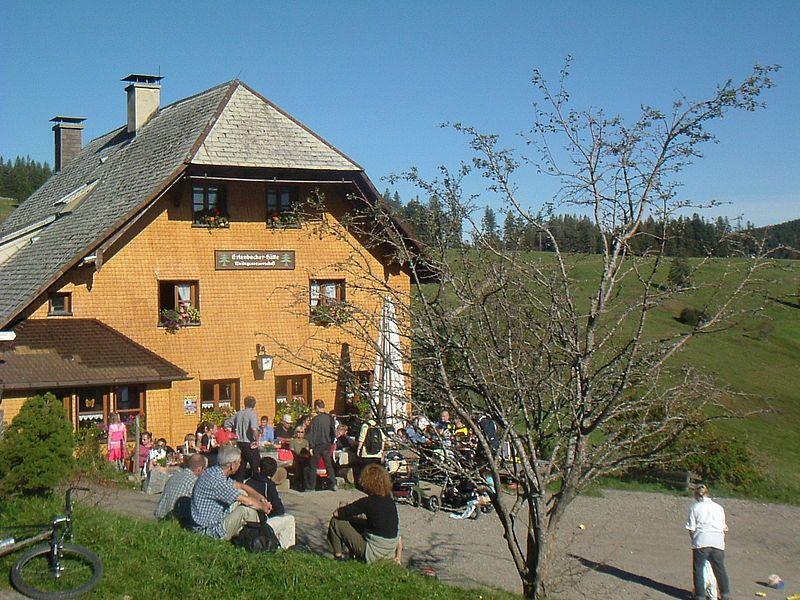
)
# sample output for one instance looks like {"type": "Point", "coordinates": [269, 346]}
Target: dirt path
{"type": "Point", "coordinates": [633, 545]}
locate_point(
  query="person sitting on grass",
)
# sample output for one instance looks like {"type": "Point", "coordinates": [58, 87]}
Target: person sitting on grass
{"type": "Point", "coordinates": [177, 495]}
{"type": "Point", "coordinates": [220, 506]}
{"type": "Point", "coordinates": [376, 534]}
{"type": "Point", "coordinates": [264, 483]}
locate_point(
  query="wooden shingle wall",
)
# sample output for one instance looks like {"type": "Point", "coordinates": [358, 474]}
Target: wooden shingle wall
{"type": "Point", "coordinates": [239, 309]}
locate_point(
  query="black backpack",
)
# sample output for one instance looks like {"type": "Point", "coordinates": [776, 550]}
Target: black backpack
{"type": "Point", "coordinates": [256, 537]}
{"type": "Point", "coordinates": [374, 440]}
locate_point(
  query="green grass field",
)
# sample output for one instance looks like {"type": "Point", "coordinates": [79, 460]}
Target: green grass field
{"type": "Point", "coordinates": [757, 359]}
{"type": "Point", "coordinates": [7, 205]}
{"type": "Point", "coordinates": [146, 559]}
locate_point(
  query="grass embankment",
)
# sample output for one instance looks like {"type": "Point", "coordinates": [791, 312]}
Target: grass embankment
{"type": "Point", "coordinates": [145, 560]}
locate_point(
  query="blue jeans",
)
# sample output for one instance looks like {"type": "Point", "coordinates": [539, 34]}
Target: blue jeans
{"type": "Point", "coordinates": [717, 559]}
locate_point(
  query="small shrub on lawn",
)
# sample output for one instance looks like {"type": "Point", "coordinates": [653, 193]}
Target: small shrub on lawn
{"type": "Point", "coordinates": [719, 458]}
{"type": "Point", "coordinates": [692, 316]}
{"type": "Point", "coordinates": [36, 452]}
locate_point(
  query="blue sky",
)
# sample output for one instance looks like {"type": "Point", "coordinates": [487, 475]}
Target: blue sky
{"type": "Point", "coordinates": [377, 78]}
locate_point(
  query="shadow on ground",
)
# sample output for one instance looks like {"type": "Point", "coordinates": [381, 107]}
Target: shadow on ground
{"type": "Point", "coordinates": [664, 588]}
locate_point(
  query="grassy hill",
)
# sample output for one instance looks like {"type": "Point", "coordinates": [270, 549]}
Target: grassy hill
{"type": "Point", "coordinates": [757, 360]}
{"type": "Point", "coordinates": [7, 205]}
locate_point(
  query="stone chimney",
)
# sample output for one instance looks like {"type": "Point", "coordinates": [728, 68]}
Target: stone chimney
{"type": "Point", "coordinates": [68, 139]}
{"type": "Point", "coordinates": [144, 97]}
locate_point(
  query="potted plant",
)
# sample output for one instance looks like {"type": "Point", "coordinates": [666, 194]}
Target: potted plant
{"type": "Point", "coordinates": [331, 314]}
{"type": "Point", "coordinates": [184, 316]}
{"type": "Point", "coordinates": [212, 219]}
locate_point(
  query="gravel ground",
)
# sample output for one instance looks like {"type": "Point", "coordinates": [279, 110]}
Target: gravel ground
{"type": "Point", "coordinates": [633, 545]}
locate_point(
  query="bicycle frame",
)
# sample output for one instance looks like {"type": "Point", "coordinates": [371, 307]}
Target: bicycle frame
{"type": "Point", "coordinates": [53, 531]}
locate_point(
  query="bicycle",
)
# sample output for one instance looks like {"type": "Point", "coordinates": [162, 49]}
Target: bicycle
{"type": "Point", "coordinates": [57, 569]}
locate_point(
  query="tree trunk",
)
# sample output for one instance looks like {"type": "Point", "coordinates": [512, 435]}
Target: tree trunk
{"type": "Point", "coordinates": [537, 559]}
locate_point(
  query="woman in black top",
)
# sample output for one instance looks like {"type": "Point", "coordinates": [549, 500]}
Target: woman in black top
{"type": "Point", "coordinates": [368, 528]}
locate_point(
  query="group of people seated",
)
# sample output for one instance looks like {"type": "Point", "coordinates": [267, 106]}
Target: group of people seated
{"type": "Point", "coordinates": [447, 432]}
{"type": "Point", "coordinates": [208, 496]}
{"type": "Point", "coordinates": [210, 502]}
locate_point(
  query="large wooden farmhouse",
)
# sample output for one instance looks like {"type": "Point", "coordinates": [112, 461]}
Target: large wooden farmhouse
{"type": "Point", "coordinates": [164, 268]}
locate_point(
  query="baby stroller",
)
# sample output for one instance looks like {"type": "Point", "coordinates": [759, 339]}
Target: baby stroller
{"type": "Point", "coordinates": [456, 495]}
{"type": "Point", "coordinates": [405, 478]}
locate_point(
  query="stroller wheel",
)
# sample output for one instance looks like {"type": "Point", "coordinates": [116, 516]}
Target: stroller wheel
{"type": "Point", "coordinates": [416, 498]}
{"type": "Point", "coordinates": [434, 503]}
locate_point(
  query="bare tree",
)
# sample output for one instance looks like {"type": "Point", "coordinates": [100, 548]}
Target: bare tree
{"type": "Point", "coordinates": [562, 352]}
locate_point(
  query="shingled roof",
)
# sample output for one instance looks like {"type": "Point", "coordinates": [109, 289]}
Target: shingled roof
{"type": "Point", "coordinates": [226, 125]}
{"type": "Point", "coordinates": [78, 352]}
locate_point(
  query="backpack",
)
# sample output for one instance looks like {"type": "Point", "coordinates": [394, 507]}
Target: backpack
{"type": "Point", "coordinates": [373, 443]}
{"type": "Point", "coordinates": [256, 537]}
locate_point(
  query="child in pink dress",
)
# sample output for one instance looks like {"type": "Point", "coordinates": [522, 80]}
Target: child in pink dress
{"type": "Point", "coordinates": [117, 441]}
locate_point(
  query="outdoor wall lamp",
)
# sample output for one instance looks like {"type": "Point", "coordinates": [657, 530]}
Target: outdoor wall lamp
{"type": "Point", "coordinates": [263, 360]}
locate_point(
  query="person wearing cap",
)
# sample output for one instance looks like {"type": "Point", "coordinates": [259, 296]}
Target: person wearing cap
{"type": "Point", "coordinates": [707, 527]}
{"type": "Point", "coordinates": [284, 429]}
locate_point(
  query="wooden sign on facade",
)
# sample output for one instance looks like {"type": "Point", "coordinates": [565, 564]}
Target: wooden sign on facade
{"type": "Point", "coordinates": [253, 260]}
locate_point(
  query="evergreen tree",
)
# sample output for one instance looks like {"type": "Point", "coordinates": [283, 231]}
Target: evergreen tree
{"type": "Point", "coordinates": [36, 452]}
{"type": "Point", "coordinates": [489, 226]}
{"type": "Point", "coordinates": [680, 273]}
{"type": "Point", "coordinates": [21, 178]}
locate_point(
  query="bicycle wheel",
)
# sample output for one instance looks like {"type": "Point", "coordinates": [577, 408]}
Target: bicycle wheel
{"type": "Point", "coordinates": [79, 571]}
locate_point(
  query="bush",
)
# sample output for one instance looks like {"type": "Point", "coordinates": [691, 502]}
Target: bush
{"type": "Point", "coordinates": [294, 408]}
{"type": "Point", "coordinates": [718, 458]}
{"type": "Point", "coordinates": [693, 317]}
{"type": "Point", "coordinates": [217, 417]}
{"type": "Point", "coordinates": [36, 452]}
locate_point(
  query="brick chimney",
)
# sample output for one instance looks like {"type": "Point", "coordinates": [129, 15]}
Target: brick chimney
{"type": "Point", "coordinates": [144, 97]}
{"type": "Point", "coordinates": [68, 139]}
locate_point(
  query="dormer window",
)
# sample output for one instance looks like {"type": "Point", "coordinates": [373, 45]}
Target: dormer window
{"type": "Point", "coordinates": [209, 208]}
{"type": "Point", "coordinates": [60, 304]}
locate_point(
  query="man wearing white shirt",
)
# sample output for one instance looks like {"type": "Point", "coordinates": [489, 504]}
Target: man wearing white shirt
{"type": "Point", "coordinates": [707, 529]}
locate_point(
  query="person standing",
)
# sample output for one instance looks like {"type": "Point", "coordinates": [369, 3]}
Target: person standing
{"type": "Point", "coordinates": [707, 527]}
{"type": "Point", "coordinates": [245, 425]}
{"type": "Point", "coordinates": [371, 442]}
{"type": "Point", "coordinates": [320, 435]}
{"type": "Point", "coordinates": [117, 441]}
